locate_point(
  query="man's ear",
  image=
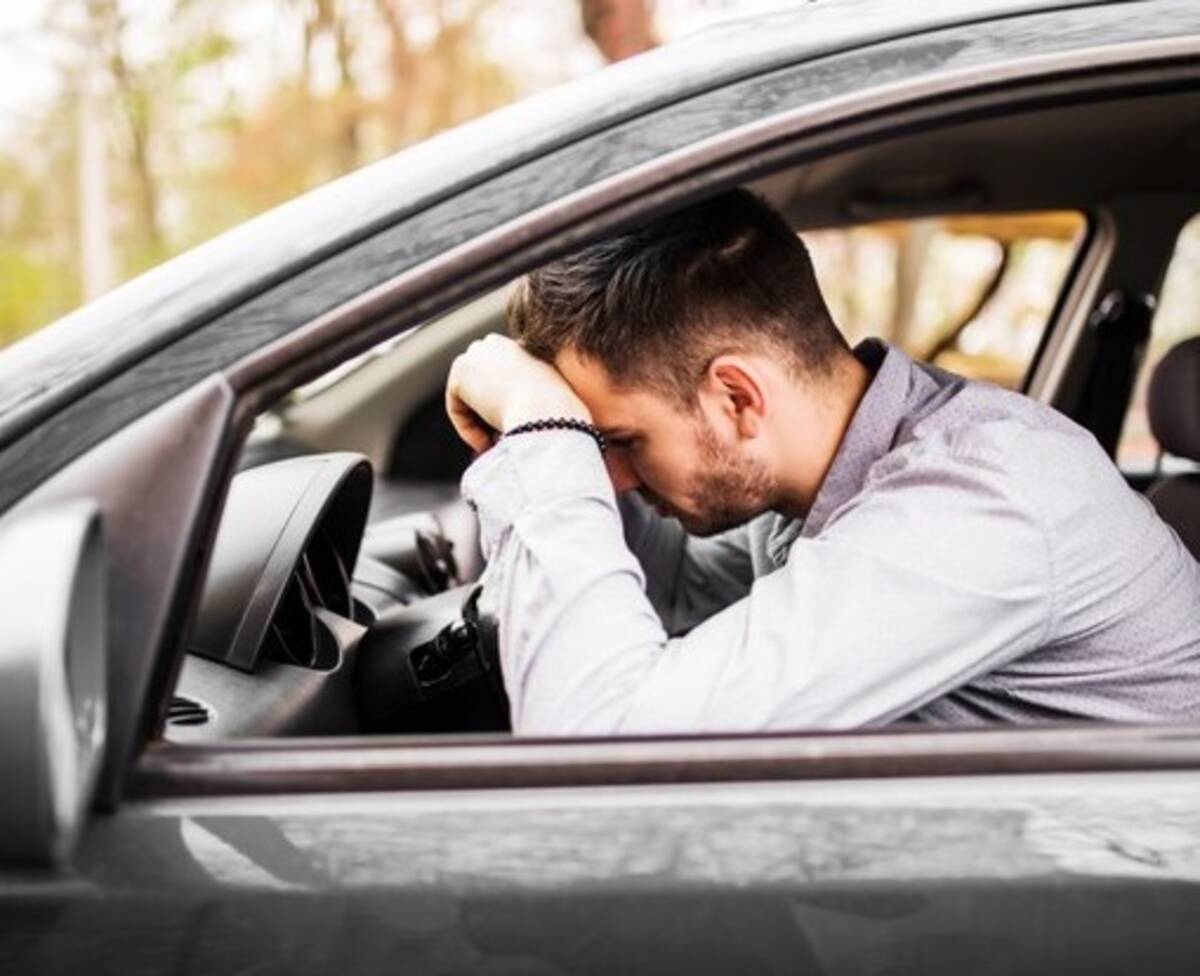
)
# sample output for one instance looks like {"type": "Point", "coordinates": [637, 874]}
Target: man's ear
{"type": "Point", "coordinates": [737, 389]}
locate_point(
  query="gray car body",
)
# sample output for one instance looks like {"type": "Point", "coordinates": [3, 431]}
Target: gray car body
{"type": "Point", "coordinates": [1057, 850]}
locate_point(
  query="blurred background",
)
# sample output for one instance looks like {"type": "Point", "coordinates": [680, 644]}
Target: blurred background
{"type": "Point", "coordinates": [132, 130]}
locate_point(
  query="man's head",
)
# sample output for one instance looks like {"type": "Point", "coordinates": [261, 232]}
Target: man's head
{"type": "Point", "coordinates": [701, 343]}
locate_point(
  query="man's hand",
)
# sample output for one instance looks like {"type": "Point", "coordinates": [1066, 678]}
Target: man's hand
{"type": "Point", "coordinates": [496, 385]}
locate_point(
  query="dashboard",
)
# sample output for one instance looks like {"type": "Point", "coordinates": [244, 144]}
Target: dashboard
{"type": "Point", "coordinates": [312, 624]}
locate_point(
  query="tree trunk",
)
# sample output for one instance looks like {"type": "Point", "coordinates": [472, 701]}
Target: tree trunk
{"type": "Point", "coordinates": [326, 17]}
{"type": "Point", "coordinates": [98, 269]}
{"type": "Point", "coordinates": [619, 28]}
{"type": "Point", "coordinates": [402, 69]}
{"type": "Point", "coordinates": [107, 23]}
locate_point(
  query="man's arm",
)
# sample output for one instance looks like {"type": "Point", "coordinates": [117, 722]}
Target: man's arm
{"type": "Point", "coordinates": [921, 584]}
{"type": "Point", "coordinates": [496, 386]}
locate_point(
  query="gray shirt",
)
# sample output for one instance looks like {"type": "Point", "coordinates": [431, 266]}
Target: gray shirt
{"type": "Point", "coordinates": [972, 556]}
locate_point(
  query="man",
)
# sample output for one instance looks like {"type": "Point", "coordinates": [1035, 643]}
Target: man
{"type": "Point", "coordinates": [868, 539]}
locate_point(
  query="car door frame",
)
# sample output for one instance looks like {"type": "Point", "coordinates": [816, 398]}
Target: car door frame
{"type": "Point", "coordinates": [955, 73]}
{"type": "Point", "coordinates": [372, 764]}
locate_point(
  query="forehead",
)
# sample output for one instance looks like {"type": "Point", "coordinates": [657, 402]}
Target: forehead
{"type": "Point", "coordinates": [612, 405]}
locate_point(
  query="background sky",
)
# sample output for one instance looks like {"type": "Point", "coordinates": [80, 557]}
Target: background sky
{"type": "Point", "coordinates": [26, 73]}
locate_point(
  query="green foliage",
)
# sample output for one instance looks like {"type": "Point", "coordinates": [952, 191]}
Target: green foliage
{"type": "Point", "coordinates": [193, 148]}
{"type": "Point", "coordinates": [32, 292]}
{"type": "Point", "coordinates": [202, 52]}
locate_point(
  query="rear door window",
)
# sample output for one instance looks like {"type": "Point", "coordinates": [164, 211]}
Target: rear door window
{"type": "Point", "coordinates": [969, 293]}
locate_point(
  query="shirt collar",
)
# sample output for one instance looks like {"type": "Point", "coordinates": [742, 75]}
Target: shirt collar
{"type": "Point", "coordinates": [871, 434]}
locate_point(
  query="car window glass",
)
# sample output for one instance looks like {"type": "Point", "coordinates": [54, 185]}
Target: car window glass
{"type": "Point", "coordinates": [1177, 318]}
{"type": "Point", "coordinates": [970, 293]}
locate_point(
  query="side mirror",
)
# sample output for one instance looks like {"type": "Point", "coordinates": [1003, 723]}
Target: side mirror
{"type": "Point", "coordinates": [53, 622]}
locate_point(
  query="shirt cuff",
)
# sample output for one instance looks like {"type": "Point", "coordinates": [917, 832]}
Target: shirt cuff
{"type": "Point", "coordinates": [531, 473]}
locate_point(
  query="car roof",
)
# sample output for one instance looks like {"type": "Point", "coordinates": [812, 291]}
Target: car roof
{"type": "Point", "coordinates": [54, 366]}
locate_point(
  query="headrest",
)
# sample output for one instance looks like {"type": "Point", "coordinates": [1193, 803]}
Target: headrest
{"type": "Point", "coordinates": [1173, 401]}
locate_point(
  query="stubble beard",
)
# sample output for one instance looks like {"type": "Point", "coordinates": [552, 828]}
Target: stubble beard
{"type": "Point", "coordinates": [728, 491]}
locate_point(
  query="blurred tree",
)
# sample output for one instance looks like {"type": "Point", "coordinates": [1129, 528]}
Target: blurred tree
{"type": "Point", "coordinates": [619, 28]}
{"type": "Point", "coordinates": [38, 276]}
{"type": "Point", "coordinates": [203, 113]}
{"type": "Point", "coordinates": [147, 76]}
{"type": "Point", "coordinates": [333, 21]}
{"type": "Point", "coordinates": [372, 78]}
{"type": "Point", "coordinates": [107, 29]}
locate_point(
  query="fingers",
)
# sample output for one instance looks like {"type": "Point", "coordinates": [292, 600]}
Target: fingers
{"type": "Point", "coordinates": [477, 434]}
{"type": "Point", "coordinates": [496, 385]}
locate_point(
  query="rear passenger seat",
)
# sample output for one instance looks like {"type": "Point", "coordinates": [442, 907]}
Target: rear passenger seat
{"type": "Point", "coordinates": [1173, 404]}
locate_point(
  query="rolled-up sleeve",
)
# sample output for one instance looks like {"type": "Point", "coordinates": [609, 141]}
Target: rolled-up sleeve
{"type": "Point", "coordinates": [936, 572]}
{"type": "Point", "coordinates": [578, 635]}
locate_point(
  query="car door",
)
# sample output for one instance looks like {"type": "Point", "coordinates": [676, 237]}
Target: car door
{"type": "Point", "coordinates": [1049, 850]}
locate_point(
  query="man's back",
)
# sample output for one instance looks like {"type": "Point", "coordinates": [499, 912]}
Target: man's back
{"type": "Point", "coordinates": [1120, 616]}
{"type": "Point", "coordinates": [1123, 632]}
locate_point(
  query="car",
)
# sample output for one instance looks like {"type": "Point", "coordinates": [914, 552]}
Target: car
{"type": "Point", "coordinates": [251, 716]}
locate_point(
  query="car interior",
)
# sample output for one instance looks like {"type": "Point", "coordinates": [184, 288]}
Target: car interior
{"type": "Point", "coordinates": [340, 593]}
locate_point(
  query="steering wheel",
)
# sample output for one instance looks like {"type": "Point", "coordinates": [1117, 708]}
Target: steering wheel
{"type": "Point", "coordinates": [433, 666]}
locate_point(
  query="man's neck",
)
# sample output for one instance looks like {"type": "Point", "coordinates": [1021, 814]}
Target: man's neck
{"type": "Point", "coordinates": [824, 414]}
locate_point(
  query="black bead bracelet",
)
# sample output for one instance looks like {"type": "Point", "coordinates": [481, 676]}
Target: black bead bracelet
{"type": "Point", "coordinates": [562, 423]}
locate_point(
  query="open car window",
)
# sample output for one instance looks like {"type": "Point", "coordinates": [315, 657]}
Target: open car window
{"type": "Point", "coordinates": [972, 294]}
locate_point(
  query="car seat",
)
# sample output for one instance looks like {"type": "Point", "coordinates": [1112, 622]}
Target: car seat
{"type": "Point", "coordinates": [1173, 405]}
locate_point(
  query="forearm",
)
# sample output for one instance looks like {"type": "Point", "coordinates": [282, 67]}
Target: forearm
{"type": "Point", "coordinates": [577, 633]}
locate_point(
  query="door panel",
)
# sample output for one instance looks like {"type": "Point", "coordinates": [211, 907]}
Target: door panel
{"type": "Point", "coordinates": [1083, 873]}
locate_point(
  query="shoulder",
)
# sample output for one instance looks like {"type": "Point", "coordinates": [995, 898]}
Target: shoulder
{"type": "Point", "coordinates": [984, 458]}
{"type": "Point", "coordinates": [978, 425]}
{"type": "Point", "coordinates": [959, 497]}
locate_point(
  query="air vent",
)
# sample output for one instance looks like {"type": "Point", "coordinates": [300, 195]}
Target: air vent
{"type": "Point", "coordinates": [327, 578]}
{"type": "Point", "coordinates": [187, 711]}
{"type": "Point", "coordinates": [320, 582]}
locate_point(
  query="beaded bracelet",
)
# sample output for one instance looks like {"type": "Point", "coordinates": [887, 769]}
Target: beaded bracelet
{"type": "Point", "coordinates": [562, 423]}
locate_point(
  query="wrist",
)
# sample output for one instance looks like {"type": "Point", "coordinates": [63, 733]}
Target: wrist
{"type": "Point", "coordinates": [527, 412]}
{"type": "Point", "coordinates": [561, 423]}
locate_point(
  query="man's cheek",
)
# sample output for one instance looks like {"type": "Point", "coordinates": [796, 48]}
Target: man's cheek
{"type": "Point", "coordinates": [620, 472]}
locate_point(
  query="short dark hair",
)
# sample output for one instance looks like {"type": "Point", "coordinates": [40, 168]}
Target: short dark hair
{"type": "Point", "coordinates": [656, 304]}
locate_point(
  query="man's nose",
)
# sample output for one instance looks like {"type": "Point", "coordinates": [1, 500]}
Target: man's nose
{"type": "Point", "coordinates": [620, 471]}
